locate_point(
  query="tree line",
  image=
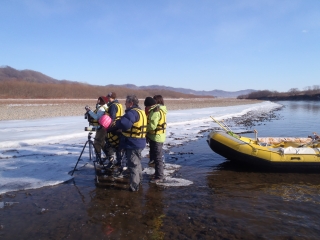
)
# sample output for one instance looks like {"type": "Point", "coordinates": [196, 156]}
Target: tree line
{"type": "Point", "coordinates": [309, 93]}
{"type": "Point", "coordinates": [66, 90]}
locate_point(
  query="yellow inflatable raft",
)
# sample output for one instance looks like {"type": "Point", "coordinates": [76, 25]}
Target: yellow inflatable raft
{"type": "Point", "coordinates": [285, 153]}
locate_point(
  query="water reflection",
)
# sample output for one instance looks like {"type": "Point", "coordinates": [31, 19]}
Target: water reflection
{"type": "Point", "coordinates": [122, 214]}
{"type": "Point", "coordinates": [286, 185]}
{"type": "Point", "coordinates": [271, 196]}
{"type": "Point", "coordinates": [310, 106]}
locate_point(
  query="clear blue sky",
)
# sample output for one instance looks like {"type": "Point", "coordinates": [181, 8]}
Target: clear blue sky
{"type": "Point", "coordinates": [228, 45]}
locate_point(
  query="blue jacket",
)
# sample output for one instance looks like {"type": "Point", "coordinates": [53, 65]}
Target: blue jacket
{"type": "Point", "coordinates": [125, 123]}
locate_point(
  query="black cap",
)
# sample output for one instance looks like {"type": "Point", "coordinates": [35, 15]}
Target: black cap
{"type": "Point", "coordinates": [149, 101]}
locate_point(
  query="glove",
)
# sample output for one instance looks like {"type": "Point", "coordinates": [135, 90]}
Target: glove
{"type": "Point", "coordinates": [87, 108]}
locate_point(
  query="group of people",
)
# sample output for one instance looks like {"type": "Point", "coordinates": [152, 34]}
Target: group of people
{"type": "Point", "coordinates": [129, 132]}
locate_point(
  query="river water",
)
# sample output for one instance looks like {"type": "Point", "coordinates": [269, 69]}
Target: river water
{"type": "Point", "coordinates": [225, 201]}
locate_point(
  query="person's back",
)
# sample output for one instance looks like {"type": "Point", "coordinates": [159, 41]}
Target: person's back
{"type": "Point", "coordinates": [115, 110]}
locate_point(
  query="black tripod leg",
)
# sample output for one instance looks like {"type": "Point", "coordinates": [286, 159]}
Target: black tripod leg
{"type": "Point", "coordinates": [98, 158]}
{"type": "Point", "coordinates": [91, 147]}
{"type": "Point", "coordinates": [79, 158]}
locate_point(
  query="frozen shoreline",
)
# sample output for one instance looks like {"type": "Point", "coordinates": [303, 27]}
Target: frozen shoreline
{"type": "Point", "coordinates": [41, 152]}
{"type": "Point", "coordinates": [19, 109]}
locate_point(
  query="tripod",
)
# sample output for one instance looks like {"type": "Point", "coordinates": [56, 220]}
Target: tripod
{"type": "Point", "coordinates": [92, 151]}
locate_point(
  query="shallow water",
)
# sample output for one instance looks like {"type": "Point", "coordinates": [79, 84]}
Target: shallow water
{"type": "Point", "coordinates": [225, 201]}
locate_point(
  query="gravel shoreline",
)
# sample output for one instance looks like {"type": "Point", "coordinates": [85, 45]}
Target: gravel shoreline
{"type": "Point", "coordinates": [20, 109]}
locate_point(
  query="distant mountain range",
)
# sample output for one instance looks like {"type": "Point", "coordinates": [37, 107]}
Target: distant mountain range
{"type": "Point", "coordinates": [9, 73]}
{"type": "Point", "coordinates": [216, 93]}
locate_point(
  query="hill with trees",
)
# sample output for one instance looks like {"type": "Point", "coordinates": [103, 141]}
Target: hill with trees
{"type": "Point", "coordinates": [31, 84]}
{"type": "Point", "coordinates": [310, 93]}
{"type": "Point", "coordinates": [216, 93]}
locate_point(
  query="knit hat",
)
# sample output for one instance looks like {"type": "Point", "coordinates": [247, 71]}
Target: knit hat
{"type": "Point", "coordinates": [112, 95]}
{"type": "Point", "coordinates": [149, 101]}
{"type": "Point", "coordinates": [106, 100]}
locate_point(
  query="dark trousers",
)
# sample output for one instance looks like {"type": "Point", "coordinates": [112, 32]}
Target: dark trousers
{"type": "Point", "coordinates": [156, 153]}
{"type": "Point", "coordinates": [134, 166]}
{"type": "Point", "coordinates": [99, 139]}
{"type": "Point", "coordinates": [110, 150]}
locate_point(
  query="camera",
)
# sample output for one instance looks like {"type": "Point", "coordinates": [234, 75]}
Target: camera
{"type": "Point", "coordinates": [92, 123]}
{"type": "Point", "coordinates": [91, 120]}
{"type": "Point", "coordinates": [87, 115]}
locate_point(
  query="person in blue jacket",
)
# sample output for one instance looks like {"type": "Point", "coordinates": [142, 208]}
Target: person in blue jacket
{"type": "Point", "coordinates": [133, 126]}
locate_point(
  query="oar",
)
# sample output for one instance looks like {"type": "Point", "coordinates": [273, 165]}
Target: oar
{"type": "Point", "coordinates": [226, 126]}
{"type": "Point", "coordinates": [223, 127]}
{"type": "Point", "coordinates": [235, 135]}
{"type": "Point", "coordinates": [229, 131]}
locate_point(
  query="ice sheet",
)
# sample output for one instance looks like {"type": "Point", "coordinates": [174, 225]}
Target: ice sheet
{"type": "Point", "coordinates": [41, 152]}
